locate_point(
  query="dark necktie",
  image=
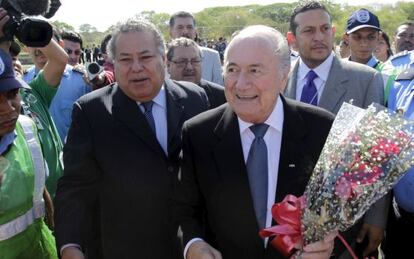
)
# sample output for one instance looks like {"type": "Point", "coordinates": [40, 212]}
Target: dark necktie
{"type": "Point", "coordinates": [309, 92]}
{"type": "Point", "coordinates": [148, 114]}
{"type": "Point", "coordinates": [257, 172]}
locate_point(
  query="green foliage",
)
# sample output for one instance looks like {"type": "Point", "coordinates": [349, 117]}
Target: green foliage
{"type": "Point", "coordinates": [216, 22]}
{"type": "Point", "coordinates": [62, 26]}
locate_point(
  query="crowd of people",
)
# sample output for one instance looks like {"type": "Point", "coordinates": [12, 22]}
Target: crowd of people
{"type": "Point", "coordinates": [180, 150]}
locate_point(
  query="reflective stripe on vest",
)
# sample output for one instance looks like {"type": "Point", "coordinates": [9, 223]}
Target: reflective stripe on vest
{"type": "Point", "coordinates": [19, 224]}
{"type": "Point", "coordinates": [37, 158]}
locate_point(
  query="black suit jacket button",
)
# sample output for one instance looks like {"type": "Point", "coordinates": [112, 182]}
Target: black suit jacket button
{"type": "Point", "coordinates": [170, 169]}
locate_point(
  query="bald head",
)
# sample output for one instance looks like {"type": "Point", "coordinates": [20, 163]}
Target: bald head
{"type": "Point", "coordinates": [256, 68]}
{"type": "Point", "coordinates": [267, 36]}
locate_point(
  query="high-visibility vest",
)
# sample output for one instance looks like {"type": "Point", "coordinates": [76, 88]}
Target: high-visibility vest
{"type": "Point", "coordinates": [19, 224]}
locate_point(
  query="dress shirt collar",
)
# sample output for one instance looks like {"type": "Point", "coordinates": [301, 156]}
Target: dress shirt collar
{"type": "Point", "coordinates": [160, 99]}
{"type": "Point", "coordinates": [274, 121]}
{"type": "Point", "coordinates": [322, 70]}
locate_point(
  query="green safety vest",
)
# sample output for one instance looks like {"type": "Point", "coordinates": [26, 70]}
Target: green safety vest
{"type": "Point", "coordinates": [23, 233]}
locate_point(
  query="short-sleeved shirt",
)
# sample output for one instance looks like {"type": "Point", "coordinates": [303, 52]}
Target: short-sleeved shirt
{"type": "Point", "coordinates": [34, 106]}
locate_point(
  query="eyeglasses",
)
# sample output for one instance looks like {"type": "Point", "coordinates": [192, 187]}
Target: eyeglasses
{"type": "Point", "coordinates": [183, 62]}
{"type": "Point", "coordinates": [77, 52]}
{"type": "Point", "coordinates": [405, 35]}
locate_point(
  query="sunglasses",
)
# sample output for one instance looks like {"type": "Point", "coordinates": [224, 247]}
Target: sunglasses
{"type": "Point", "coordinates": [77, 52]}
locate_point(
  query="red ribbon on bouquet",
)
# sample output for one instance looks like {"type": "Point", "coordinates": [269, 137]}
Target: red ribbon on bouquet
{"type": "Point", "coordinates": [288, 231]}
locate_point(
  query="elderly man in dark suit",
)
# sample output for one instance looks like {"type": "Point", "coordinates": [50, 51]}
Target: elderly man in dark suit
{"type": "Point", "coordinates": [242, 157]}
{"type": "Point", "coordinates": [121, 156]}
{"type": "Point", "coordinates": [184, 62]}
{"type": "Point", "coordinates": [322, 79]}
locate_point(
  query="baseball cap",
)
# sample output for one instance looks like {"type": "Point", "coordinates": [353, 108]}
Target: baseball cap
{"type": "Point", "coordinates": [362, 19]}
{"type": "Point", "coordinates": [8, 80]}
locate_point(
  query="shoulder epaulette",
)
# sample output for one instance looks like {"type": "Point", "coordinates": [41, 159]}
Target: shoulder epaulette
{"type": "Point", "coordinates": [407, 74]}
{"type": "Point", "coordinates": [400, 54]}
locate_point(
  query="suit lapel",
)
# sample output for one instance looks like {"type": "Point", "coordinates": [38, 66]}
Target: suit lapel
{"type": "Point", "coordinates": [290, 152]}
{"type": "Point", "coordinates": [292, 82]}
{"type": "Point", "coordinates": [127, 112]}
{"type": "Point", "coordinates": [175, 110]}
{"type": "Point", "coordinates": [335, 87]}
{"type": "Point", "coordinates": [228, 152]}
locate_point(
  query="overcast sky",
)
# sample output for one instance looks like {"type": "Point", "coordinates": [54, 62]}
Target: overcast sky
{"type": "Point", "coordinates": [104, 13]}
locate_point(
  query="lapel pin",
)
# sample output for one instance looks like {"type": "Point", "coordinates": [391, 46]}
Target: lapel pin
{"type": "Point", "coordinates": [292, 165]}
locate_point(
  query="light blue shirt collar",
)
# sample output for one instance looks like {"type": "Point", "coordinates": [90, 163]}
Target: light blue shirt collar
{"type": "Point", "coordinates": [6, 141]}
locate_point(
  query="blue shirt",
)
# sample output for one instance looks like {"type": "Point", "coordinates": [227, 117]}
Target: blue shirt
{"type": "Point", "coordinates": [72, 86]}
{"type": "Point", "coordinates": [401, 97]}
{"type": "Point", "coordinates": [399, 62]}
{"type": "Point", "coordinates": [6, 140]}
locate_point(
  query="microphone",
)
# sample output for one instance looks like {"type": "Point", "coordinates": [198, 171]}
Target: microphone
{"type": "Point", "coordinates": [30, 7]}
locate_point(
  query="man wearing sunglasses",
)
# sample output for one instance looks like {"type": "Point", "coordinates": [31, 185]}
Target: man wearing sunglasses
{"type": "Point", "coordinates": [73, 46]}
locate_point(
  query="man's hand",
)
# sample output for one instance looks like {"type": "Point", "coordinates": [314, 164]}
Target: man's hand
{"type": "Point", "coordinates": [374, 234]}
{"type": "Point", "coordinates": [202, 250]}
{"type": "Point", "coordinates": [318, 250]}
{"type": "Point", "coordinates": [72, 252]}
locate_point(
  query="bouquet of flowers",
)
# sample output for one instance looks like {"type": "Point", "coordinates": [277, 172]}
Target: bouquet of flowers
{"type": "Point", "coordinates": [365, 154]}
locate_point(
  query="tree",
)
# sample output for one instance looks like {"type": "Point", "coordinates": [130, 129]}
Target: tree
{"type": "Point", "coordinates": [62, 26]}
{"type": "Point", "coordinates": [87, 28]}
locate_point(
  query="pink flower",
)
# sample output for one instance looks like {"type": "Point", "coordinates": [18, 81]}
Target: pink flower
{"type": "Point", "coordinates": [343, 188]}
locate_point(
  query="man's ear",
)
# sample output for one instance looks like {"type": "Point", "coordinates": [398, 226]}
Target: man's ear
{"type": "Point", "coordinates": [290, 38]}
{"type": "Point", "coordinates": [333, 30]}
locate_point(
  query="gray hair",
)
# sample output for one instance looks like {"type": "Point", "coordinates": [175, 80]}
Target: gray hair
{"type": "Point", "coordinates": [134, 25]}
{"type": "Point", "coordinates": [281, 47]}
{"type": "Point", "coordinates": [181, 42]}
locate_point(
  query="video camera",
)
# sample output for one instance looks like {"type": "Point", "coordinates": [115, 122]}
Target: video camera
{"type": "Point", "coordinates": [31, 31]}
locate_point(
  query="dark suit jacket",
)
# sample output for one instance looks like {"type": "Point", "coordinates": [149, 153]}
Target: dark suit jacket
{"type": "Point", "coordinates": [116, 170]}
{"type": "Point", "coordinates": [215, 93]}
{"type": "Point", "coordinates": [214, 180]}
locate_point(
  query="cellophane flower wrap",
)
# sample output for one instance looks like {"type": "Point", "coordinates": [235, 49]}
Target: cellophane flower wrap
{"type": "Point", "coordinates": [367, 151]}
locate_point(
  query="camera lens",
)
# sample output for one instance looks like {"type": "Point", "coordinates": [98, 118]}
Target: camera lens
{"type": "Point", "coordinates": [94, 68]}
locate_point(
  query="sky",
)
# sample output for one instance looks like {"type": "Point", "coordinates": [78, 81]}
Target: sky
{"type": "Point", "coordinates": [104, 13]}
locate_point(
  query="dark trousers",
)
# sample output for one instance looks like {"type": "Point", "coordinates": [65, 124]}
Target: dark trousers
{"type": "Point", "coordinates": [398, 241]}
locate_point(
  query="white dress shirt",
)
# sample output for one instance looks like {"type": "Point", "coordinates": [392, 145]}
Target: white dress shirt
{"type": "Point", "coordinates": [273, 139]}
{"type": "Point", "coordinates": [159, 112]}
{"type": "Point", "coordinates": [322, 71]}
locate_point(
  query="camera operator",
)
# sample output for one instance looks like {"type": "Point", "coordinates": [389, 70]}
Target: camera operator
{"type": "Point", "coordinates": [36, 99]}
{"type": "Point", "coordinates": [107, 76]}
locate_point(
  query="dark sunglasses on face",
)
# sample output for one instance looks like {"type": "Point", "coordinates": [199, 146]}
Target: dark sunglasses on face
{"type": "Point", "coordinates": [76, 52]}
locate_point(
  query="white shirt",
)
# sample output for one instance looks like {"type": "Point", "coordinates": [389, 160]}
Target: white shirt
{"type": "Point", "coordinates": [273, 139]}
{"type": "Point", "coordinates": [322, 71]}
{"type": "Point", "coordinates": [159, 112]}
